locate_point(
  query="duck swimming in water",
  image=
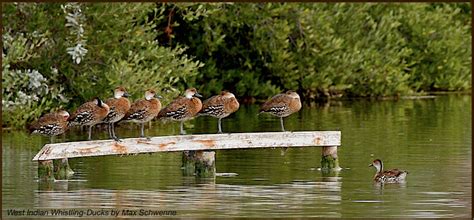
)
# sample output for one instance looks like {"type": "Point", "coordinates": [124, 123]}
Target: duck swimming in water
{"type": "Point", "coordinates": [387, 176]}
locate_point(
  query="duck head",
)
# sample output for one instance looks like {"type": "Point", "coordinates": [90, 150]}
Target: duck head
{"type": "Point", "coordinates": [64, 114]}
{"type": "Point", "coordinates": [149, 94]}
{"type": "Point", "coordinates": [98, 102]}
{"type": "Point", "coordinates": [227, 94]}
{"type": "Point", "coordinates": [377, 164]}
{"type": "Point", "coordinates": [120, 92]}
{"type": "Point", "coordinates": [189, 93]}
{"type": "Point", "coordinates": [292, 94]}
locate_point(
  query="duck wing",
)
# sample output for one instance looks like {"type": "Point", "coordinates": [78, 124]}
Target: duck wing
{"type": "Point", "coordinates": [393, 172]}
{"type": "Point", "coordinates": [137, 110]}
{"type": "Point", "coordinates": [177, 109]}
{"type": "Point", "coordinates": [277, 103]}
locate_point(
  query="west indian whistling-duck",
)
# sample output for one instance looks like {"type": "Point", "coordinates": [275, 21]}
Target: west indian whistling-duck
{"type": "Point", "coordinates": [220, 106]}
{"type": "Point", "coordinates": [144, 110]}
{"type": "Point", "coordinates": [119, 106]}
{"type": "Point", "coordinates": [50, 124]}
{"type": "Point", "coordinates": [89, 114]}
{"type": "Point", "coordinates": [282, 105]}
{"type": "Point", "coordinates": [387, 176]}
{"type": "Point", "coordinates": [182, 108]}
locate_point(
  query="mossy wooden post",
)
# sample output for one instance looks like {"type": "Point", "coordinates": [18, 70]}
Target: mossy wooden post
{"type": "Point", "coordinates": [205, 163]}
{"type": "Point", "coordinates": [329, 160]}
{"type": "Point", "coordinates": [201, 163]}
{"type": "Point", "coordinates": [45, 170]}
{"type": "Point", "coordinates": [189, 162]}
{"type": "Point", "coordinates": [61, 169]}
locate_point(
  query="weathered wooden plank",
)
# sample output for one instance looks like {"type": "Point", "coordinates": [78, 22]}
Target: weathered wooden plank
{"type": "Point", "coordinates": [189, 143]}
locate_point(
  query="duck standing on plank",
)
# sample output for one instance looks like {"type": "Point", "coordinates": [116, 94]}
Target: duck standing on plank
{"type": "Point", "coordinates": [282, 105]}
{"type": "Point", "coordinates": [50, 124]}
{"type": "Point", "coordinates": [144, 110]}
{"type": "Point", "coordinates": [119, 106]}
{"type": "Point", "coordinates": [220, 106]}
{"type": "Point", "coordinates": [182, 108]}
{"type": "Point", "coordinates": [89, 114]}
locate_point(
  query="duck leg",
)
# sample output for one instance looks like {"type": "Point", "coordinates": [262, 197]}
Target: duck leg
{"type": "Point", "coordinates": [113, 133]}
{"type": "Point", "coordinates": [281, 123]}
{"type": "Point", "coordinates": [51, 140]}
{"type": "Point", "coordinates": [90, 132]}
{"type": "Point", "coordinates": [142, 134]}
{"type": "Point", "coordinates": [219, 123]}
{"type": "Point", "coordinates": [284, 149]}
{"type": "Point", "coordinates": [109, 129]}
{"type": "Point", "coordinates": [181, 128]}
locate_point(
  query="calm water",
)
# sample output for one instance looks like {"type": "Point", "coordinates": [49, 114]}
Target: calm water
{"type": "Point", "coordinates": [431, 138]}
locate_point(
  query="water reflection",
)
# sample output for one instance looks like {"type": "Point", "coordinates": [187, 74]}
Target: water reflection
{"type": "Point", "coordinates": [379, 187]}
{"type": "Point", "coordinates": [200, 198]}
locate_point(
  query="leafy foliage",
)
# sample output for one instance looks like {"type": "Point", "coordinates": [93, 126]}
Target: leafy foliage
{"type": "Point", "coordinates": [252, 49]}
{"type": "Point", "coordinates": [324, 50]}
{"type": "Point", "coordinates": [26, 92]}
{"type": "Point", "coordinates": [90, 53]}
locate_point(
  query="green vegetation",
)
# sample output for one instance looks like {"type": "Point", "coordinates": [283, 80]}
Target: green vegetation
{"type": "Point", "coordinates": [252, 49]}
{"type": "Point", "coordinates": [95, 48]}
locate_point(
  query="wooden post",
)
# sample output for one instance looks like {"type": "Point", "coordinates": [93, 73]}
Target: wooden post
{"type": "Point", "coordinates": [205, 163]}
{"type": "Point", "coordinates": [61, 169]}
{"type": "Point", "coordinates": [329, 159]}
{"type": "Point", "coordinates": [45, 170]}
{"type": "Point", "coordinates": [201, 163]}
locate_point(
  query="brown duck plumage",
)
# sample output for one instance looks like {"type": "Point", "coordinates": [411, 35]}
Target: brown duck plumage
{"type": "Point", "coordinates": [89, 114]}
{"type": "Point", "coordinates": [119, 106]}
{"type": "Point", "coordinates": [387, 176]}
{"type": "Point", "coordinates": [144, 110]}
{"type": "Point", "coordinates": [282, 105]}
{"type": "Point", "coordinates": [220, 106]}
{"type": "Point", "coordinates": [50, 124]}
{"type": "Point", "coordinates": [182, 108]}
